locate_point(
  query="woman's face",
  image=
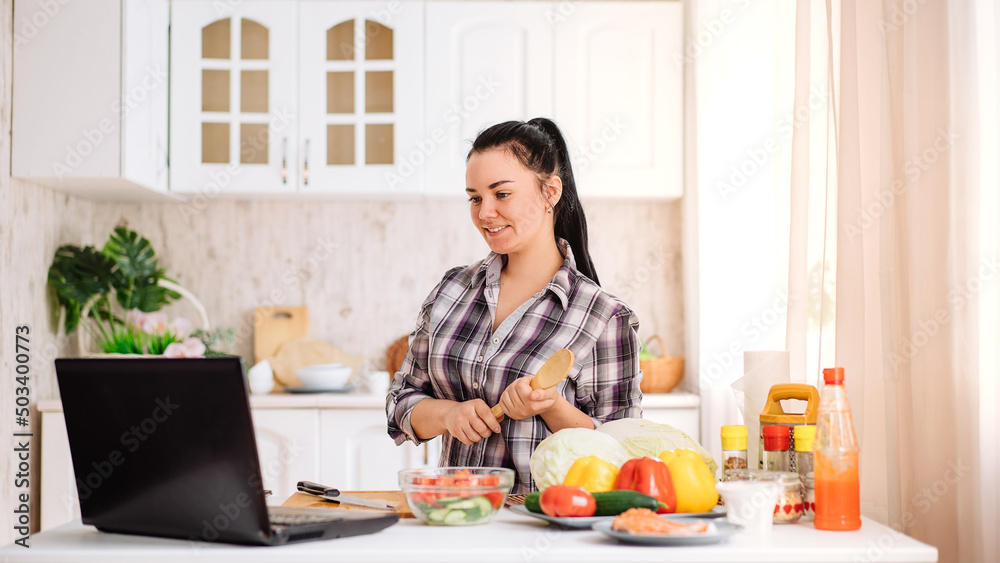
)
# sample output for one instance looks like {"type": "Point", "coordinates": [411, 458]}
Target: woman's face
{"type": "Point", "coordinates": [505, 202]}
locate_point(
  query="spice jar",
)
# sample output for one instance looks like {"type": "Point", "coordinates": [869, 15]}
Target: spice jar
{"type": "Point", "coordinates": [789, 507]}
{"type": "Point", "coordinates": [776, 445]}
{"type": "Point", "coordinates": [734, 449]}
{"type": "Point", "coordinates": [805, 438]}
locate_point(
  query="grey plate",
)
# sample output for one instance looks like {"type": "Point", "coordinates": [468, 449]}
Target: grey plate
{"type": "Point", "coordinates": [724, 530]}
{"type": "Point", "coordinates": [580, 522]}
{"type": "Point", "coordinates": [717, 512]}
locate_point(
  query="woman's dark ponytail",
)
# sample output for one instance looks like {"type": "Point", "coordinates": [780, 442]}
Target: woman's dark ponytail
{"type": "Point", "coordinates": [540, 146]}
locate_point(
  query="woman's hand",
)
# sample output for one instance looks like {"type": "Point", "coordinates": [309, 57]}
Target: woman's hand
{"type": "Point", "coordinates": [471, 421]}
{"type": "Point", "coordinates": [520, 401]}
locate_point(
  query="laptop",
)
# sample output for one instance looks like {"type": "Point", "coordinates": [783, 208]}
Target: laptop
{"type": "Point", "coordinates": [165, 447]}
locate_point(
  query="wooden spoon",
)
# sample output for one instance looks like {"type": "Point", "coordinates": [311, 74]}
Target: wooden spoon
{"type": "Point", "coordinates": [554, 370]}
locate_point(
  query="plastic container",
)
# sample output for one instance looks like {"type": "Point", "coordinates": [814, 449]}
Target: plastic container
{"type": "Point", "coordinates": [456, 496]}
{"type": "Point", "coordinates": [734, 449]}
{"type": "Point", "coordinates": [750, 504]}
{"type": "Point", "coordinates": [776, 445]}
{"type": "Point", "coordinates": [773, 413]}
{"type": "Point", "coordinates": [805, 437]}
{"type": "Point", "coordinates": [788, 504]}
{"type": "Point", "coordinates": [838, 494]}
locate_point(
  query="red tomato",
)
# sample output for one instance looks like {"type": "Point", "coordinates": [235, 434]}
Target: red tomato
{"type": "Point", "coordinates": [496, 498]}
{"type": "Point", "coordinates": [562, 500]}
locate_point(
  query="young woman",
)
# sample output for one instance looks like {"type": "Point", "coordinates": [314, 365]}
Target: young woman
{"type": "Point", "coordinates": [484, 331]}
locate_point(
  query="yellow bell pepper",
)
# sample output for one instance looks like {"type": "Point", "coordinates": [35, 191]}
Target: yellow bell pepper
{"type": "Point", "coordinates": [593, 474]}
{"type": "Point", "coordinates": [693, 480]}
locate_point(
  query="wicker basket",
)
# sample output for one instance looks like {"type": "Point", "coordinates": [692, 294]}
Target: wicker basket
{"type": "Point", "coordinates": [661, 375]}
{"type": "Point", "coordinates": [394, 356]}
{"type": "Point", "coordinates": [82, 341]}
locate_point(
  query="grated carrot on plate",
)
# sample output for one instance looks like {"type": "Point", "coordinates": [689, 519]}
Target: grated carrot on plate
{"type": "Point", "coordinates": [645, 521]}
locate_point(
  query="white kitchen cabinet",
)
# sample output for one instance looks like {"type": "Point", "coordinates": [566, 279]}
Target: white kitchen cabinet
{"type": "Point", "coordinates": [233, 103]}
{"type": "Point", "coordinates": [90, 97]}
{"type": "Point", "coordinates": [288, 448]}
{"type": "Point", "coordinates": [619, 96]}
{"type": "Point", "coordinates": [279, 97]}
{"type": "Point", "coordinates": [358, 454]}
{"type": "Point", "coordinates": [361, 96]}
{"type": "Point", "coordinates": [487, 62]}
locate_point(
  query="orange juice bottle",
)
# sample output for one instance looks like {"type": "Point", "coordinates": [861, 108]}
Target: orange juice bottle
{"type": "Point", "coordinates": [838, 494]}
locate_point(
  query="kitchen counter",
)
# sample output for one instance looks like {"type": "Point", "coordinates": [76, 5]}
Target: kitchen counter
{"type": "Point", "coordinates": [510, 537]}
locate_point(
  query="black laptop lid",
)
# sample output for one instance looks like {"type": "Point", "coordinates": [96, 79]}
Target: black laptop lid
{"type": "Point", "coordinates": [164, 447]}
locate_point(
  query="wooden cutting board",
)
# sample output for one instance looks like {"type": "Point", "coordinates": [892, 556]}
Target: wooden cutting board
{"type": "Point", "coordinates": [273, 326]}
{"type": "Point", "coordinates": [392, 498]}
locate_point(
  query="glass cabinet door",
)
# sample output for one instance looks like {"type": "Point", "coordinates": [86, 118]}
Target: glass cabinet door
{"type": "Point", "coordinates": [233, 97]}
{"type": "Point", "coordinates": [361, 97]}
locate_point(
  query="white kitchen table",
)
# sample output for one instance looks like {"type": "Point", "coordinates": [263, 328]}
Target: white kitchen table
{"type": "Point", "coordinates": [510, 537]}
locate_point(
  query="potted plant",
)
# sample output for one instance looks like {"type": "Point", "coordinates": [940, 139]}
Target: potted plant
{"type": "Point", "coordinates": [115, 293]}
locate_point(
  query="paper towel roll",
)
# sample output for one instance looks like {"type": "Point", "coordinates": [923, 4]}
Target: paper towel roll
{"type": "Point", "coordinates": [761, 370]}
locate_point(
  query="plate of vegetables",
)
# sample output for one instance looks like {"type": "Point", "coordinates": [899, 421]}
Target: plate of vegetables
{"type": "Point", "coordinates": [575, 507]}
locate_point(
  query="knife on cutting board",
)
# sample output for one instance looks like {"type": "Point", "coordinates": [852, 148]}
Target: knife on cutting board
{"type": "Point", "coordinates": [335, 495]}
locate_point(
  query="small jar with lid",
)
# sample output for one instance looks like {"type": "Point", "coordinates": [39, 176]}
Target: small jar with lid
{"type": "Point", "coordinates": [734, 449]}
{"type": "Point", "coordinates": [790, 505]}
{"type": "Point", "coordinates": [805, 438]}
{"type": "Point", "coordinates": [776, 446]}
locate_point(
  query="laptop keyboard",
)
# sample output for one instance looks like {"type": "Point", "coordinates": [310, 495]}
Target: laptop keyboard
{"type": "Point", "coordinates": [282, 517]}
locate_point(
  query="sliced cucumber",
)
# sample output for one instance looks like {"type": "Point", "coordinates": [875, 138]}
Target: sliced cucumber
{"type": "Point", "coordinates": [483, 504]}
{"type": "Point", "coordinates": [455, 517]}
{"type": "Point", "coordinates": [437, 515]}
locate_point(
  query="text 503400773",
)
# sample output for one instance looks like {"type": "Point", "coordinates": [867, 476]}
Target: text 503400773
{"type": "Point", "coordinates": [22, 433]}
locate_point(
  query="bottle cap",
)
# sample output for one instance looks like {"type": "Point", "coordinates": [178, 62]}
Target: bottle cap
{"type": "Point", "coordinates": [833, 376]}
{"type": "Point", "coordinates": [776, 437]}
{"type": "Point", "coordinates": [734, 437]}
{"type": "Point", "coordinates": [805, 437]}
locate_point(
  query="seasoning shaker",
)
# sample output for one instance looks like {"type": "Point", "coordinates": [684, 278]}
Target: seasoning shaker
{"type": "Point", "coordinates": [734, 449]}
{"type": "Point", "coordinates": [805, 438]}
{"type": "Point", "coordinates": [774, 413]}
{"type": "Point", "coordinates": [776, 447]}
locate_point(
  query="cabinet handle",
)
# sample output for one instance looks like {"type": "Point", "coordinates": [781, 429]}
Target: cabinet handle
{"type": "Point", "coordinates": [426, 454]}
{"type": "Point", "coordinates": [284, 160]}
{"type": "Point", "coordinates": [305, 166]}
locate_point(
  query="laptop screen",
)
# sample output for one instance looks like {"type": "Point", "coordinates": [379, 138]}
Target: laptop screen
{"type": "Point", "coordinates": [164, 447]}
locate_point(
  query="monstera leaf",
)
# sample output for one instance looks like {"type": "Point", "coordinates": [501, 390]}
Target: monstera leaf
{"type": "Point", "coordinates": [126, 266]}
{"type": "Point", "coordinates": [135, 275]}
{"type": "Point", "coordinates": [78, 274]}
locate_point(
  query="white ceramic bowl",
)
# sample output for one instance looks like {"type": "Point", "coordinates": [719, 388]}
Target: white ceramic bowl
{"type": "Point", "coordinates": [324, 376]}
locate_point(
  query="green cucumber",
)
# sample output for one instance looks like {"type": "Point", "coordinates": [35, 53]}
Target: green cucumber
{"type": "Point", "coordinates": [533, 502]}
{"type": "Point", "coordinates": [613, 503]}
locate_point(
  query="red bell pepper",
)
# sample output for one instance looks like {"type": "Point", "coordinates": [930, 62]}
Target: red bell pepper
{"type": "Point", "coordinates": [650, 476]}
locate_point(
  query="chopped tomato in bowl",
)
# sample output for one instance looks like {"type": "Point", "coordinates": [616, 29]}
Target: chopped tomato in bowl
{"type": "Point", "coordinates": [456, 496]}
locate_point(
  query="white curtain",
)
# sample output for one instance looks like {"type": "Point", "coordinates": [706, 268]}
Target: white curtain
{"type": "Point", "coordinates": [912, 161]}
{"type": "Point", "coordinates": [874, 218]}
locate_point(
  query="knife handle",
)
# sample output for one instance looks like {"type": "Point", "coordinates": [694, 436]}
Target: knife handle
{"type": "Point", "coordinates": [316, 489]}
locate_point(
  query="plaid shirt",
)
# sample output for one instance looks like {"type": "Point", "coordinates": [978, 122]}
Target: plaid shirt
{"type": "Point", "coordinates": [454, 354]}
